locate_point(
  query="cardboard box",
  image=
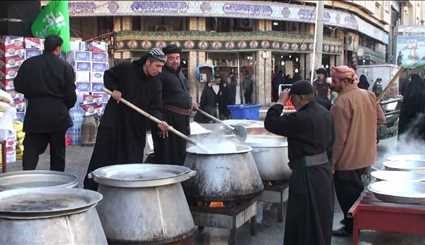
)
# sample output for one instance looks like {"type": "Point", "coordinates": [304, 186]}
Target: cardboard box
{"type": "Point", "coordinates": [80, 56]}
{"type": "Point", "coordinates": [32, 52]}
{"type": "Point", "coordinates": [97, 46]}
{"type": "Point", "coordinates": [7, 85]}
{"type": "Point", "coordinates": [12, 61]}
{"type": "Point", "coordinates": [96, 77]}
{"type": "Point", "coordinates": [99, 67]}
{"type": "Point", "coordinates": [91, 98]}
{"type": "Point", "coordinates": [100, 57]}
{"type": "Point", "coordinates": [8, 73]}
{"type": "Point", "coordinates": [82, 76]}
{"type": "Point", "coordinates": [82, 66]}
{"type": "Point", "coordinates": [78, 45]}
{"type": "Point", "coordinates": [8, 52]}
{"type": "Point", "coordinates": [97, 87]}
{"type": "Point", "coordinates": [11, 42]}
{"type": "Point", "coordinates": [105, 97]}
{"type": "Point", "coordinates": [33, 43]}
{"type": "Point", "coordinates": [83, 86]}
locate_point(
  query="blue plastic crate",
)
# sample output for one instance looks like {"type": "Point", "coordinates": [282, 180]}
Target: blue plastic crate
{"type": "Point", "coordinates": [251, 112]}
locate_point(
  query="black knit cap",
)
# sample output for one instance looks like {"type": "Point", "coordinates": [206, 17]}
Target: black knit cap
{"type": "Point", "coordinates": [321, 71]}
{"type": "Point", "coordinates": [302, 87]}
{"type": "Point", "coordinates": [172, 49]}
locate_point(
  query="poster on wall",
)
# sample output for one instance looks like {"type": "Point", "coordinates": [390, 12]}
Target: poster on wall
{"type": "Point", "coordinates": [411, 50]}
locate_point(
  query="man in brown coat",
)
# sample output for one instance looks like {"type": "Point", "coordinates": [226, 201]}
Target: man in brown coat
{"type": "Point", "coordinates": [355, 115]}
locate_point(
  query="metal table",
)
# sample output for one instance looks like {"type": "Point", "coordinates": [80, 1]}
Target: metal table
{"type": "Point", "coordinates": [372, 214]}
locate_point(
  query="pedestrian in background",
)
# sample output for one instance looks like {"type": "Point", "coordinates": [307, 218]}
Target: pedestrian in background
{"type": "Point", "coordinates": [48, 83]}
{"type": "Point", "coordinates": [412, 113]}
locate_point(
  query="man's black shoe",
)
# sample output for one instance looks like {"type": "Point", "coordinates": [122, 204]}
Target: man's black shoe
{"type": "Point", "coordinates": [341, 232]}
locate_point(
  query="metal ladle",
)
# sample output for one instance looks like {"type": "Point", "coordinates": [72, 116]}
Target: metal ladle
{"type": "Point", "coordinates": [150, 117]}
{"type": "Point", "coordinates": [236, 129]}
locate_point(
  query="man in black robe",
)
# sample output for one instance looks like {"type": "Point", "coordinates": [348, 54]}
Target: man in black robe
{"type": "Point", "coordinates": [47, 82]}
{"type": "Point", "coordinates": [208, 103]}
{"type": "Point", "coordinates": [121, 136]}
{"type": "Point", "coordinates": [224, 99]}
{"type": "Point", "coordinates": [177, 107]}
{"type": "Point", "coordinates": [310, 137]}
{"type": "Point", "coordinates": [412, 113]}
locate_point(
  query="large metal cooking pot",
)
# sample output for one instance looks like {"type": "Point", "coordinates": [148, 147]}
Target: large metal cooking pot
{"type": "Point", "coordinates": [144, 202]}
{"type": "Point", "coordinates": [50, 216]}
{"type": "Point", "coordinates": [399, 192]}
{"type": "Point", "coordinates": [223, 175]}
{"type": "Point", "coordinates": [37, 179]}
{"type": "Point", "coordinates": [271, 156]}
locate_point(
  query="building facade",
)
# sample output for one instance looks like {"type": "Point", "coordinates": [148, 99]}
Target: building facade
{"type": "Point", "coordinates": [242, 38]}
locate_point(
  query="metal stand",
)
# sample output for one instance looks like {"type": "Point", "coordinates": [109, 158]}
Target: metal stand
{"type": "Point", "coordinates": [228, 218]}
{"type": "Point", "coordinates": [276, 192]}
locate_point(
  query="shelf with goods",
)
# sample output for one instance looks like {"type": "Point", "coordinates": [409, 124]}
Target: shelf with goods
{"type": "Point", "coordinates": [89, 61]}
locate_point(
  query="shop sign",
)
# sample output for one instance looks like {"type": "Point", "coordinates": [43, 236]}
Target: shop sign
{"type": "Point", "coordinates": [228, 9]}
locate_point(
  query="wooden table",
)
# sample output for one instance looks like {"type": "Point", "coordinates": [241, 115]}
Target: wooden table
{"type": "Point", "coordinates": [371, 214]}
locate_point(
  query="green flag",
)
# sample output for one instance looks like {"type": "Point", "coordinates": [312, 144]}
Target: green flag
{"type": "Point", "coordinates": [53, 19]}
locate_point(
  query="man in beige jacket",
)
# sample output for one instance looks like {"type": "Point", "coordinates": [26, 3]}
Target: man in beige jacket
{"type": "Point", "coordinates": [355, 115]}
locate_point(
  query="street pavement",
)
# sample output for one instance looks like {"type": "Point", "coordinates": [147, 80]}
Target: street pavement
{"type": "Point", "coordinates": [269, 231]}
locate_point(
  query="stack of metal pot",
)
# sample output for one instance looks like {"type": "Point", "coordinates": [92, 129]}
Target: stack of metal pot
{"type": "Point", "coordinates": [42, 207]}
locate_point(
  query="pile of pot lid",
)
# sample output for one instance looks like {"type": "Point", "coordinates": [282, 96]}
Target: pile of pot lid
{"type": "Point", "coordinates": [268, 141]}
{"type": "Point", "coordinates": [406, 157]}
{"type": "Point", "coordinates": [405, 165]}
{"type": "Point", "coordinates": [35, 203]}
{"type": "Point", "coordinates": [141, 175]}
{"type": "Point", "coordinates": [219, 148]}
{"type": "Point", "coordinates": [399, 176]}
{"type": "Point", "coordinates": [37, 179]}
{"type": "Point", "coordinates": [399, 192]}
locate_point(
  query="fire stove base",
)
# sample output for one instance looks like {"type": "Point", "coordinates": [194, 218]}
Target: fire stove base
{"type": "Point", "coordinates": [227, 218]}
{"type": "Point", "coordinates": [276, 192]}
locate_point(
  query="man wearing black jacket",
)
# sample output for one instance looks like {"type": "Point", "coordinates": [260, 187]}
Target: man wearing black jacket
{"type": "Point", "coordinates": [47, 82]}
{"type": "Point", "coordinates": [121, 136]}
{"type": "Point", "coordinates": [177, 108]}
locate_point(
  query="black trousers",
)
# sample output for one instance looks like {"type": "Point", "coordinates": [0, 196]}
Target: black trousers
{"type": "Point", "coordinates": [348, 187]}
{"type": "Point", "coordinates": [171, 150]}
{"type": "Point", "coordinates": [36, 143]}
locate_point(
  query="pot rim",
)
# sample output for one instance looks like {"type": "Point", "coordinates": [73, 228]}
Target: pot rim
{"type": "Point", "coordinates": [5, 177]}
{"type": "Point", "coordinates": [100, 176]}
{"type": "Point", "coordinates": [245, 149]}
{"type": "Point", "coordinates": [283, 143]}
{"type": "Point", "coordinates": [91, 199]}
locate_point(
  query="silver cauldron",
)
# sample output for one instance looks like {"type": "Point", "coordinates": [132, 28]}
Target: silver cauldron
{"type": "Point", "coordinates": [37, 179]}
{"type": "Point", "coordinates": [144, 203]}
{"type": "Point", "coordinates": [271, 156]}
{"type": "Point", "coordinates": [225, 176]}
{"type": "Point", "coordinates": [50, 216]}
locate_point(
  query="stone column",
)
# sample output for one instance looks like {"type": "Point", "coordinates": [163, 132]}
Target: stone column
{"type": "Point", "coordinates": [127, 24]}
{"type": "Point", "coordinates": [117, 24]}
{"type": "Point", "coordinates": [308, 58]}
{"type": "Point", "coordinates": [262, 81]}
{"type": "Point", "coordinates": [195, 58]}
